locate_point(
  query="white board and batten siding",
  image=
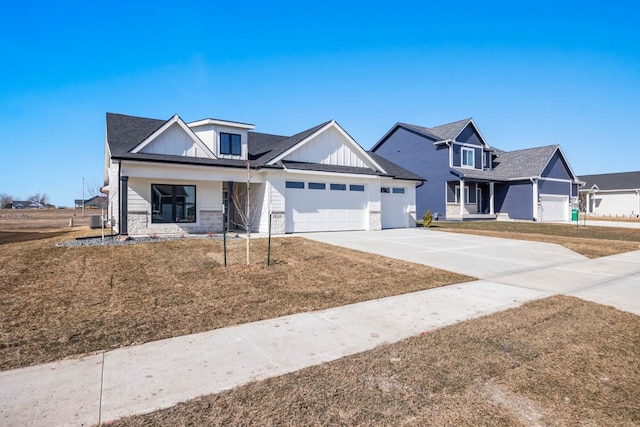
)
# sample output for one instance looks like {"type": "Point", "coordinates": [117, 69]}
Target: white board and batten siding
{"type": "Point", "coordinates": [175, 142]}
{"type": "Point", "coordinates": [330, 148]}
{"type": "Point", "coordinates": [210, 135]}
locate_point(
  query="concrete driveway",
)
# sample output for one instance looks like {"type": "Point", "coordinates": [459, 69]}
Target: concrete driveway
{"type": "Point", "coordinates": [477, 256]}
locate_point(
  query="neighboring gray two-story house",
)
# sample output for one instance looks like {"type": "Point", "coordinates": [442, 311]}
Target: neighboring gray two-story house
{"type": "Point", "coordinates": [467, 178]}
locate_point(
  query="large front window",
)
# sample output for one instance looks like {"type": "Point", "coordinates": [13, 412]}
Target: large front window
{"type": "Point", "coordinates": [173, 203]}
{"type": "Point", "coordinates": [230, 144]}
{"type": "Point", "coordinates": [467, 157]}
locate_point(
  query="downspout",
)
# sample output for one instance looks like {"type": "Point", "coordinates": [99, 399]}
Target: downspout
{"type": "Point", "coordinates": [534, 183]}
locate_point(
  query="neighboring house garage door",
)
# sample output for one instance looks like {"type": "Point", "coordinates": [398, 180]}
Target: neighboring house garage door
{"type": "Point", "coordinates": [319, 206]}
{"type": "Point", "coordinates": [394, 207]}
{"type": "Point", "coordinates": [554, 207]}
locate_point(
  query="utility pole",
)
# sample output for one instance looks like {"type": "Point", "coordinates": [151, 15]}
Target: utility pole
{"type": "Point", "coordinates": [83, 197]}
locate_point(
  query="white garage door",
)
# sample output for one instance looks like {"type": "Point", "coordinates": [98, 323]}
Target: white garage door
{"type": "Point", "coordinates": [394, 207]}
{"type": "Point", "coordinates": [554, 208]}
{"type": "Point", "coordinates": [320, 206]}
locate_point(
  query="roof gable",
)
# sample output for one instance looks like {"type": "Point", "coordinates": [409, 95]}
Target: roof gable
{"type": "Point", "coordinates": [558, 167]}
{"type": "Point", "coordinates": [462, 131]}
{"type": "Point", "coordinates": [450, 130]}
{"type": "Point", "coordinates": [327, 144]}
{"type": "Point", "coordinates": [412, 128]}
{"type": "Point", "coordinates": [527, 163]}
{"type": "Point", "coordinates": [174, 138]}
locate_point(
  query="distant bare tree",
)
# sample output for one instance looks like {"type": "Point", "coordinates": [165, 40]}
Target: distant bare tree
{"type": "Point", "coordinates": [42, 198]}
{"type": "Point", "coordinates": [5, 199]}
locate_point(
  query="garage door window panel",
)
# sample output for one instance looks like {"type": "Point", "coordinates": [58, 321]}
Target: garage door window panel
{"type": "Point", "coordinates": [294, 184]}
{"type": "Point", "coordinates": [356, 187]}
{"type": "Point", "coordinates": [317, 186]}
{"type": "Point", "coordinates": [339, 187]}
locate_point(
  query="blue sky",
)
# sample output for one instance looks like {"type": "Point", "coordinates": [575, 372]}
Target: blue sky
{"type": "Point", "coordinates": [529, 74]}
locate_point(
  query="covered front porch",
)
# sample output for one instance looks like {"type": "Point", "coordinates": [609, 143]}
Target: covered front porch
{"type": "Point", "coordinates": [470, 200]}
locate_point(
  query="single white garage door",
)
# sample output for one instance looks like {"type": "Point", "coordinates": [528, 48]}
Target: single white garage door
{"type": "Point", "coordinates": [394, 207]}
{"type": "Point", "coordinates": [320, 206]}
{"type": "Point", "coordinates": [554, 207]}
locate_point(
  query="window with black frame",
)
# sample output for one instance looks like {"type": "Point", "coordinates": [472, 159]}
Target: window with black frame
{"type": "Point", "coordinates": [230, 143]}
{"type": "Point", "coordinates": [173, 203]}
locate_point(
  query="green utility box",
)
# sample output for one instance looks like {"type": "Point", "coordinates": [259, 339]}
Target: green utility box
{"type": "Point", "coordinates": [574, 214]}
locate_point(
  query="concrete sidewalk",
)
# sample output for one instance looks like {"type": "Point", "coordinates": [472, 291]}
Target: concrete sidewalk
{"type": "Point", "coordinates": [159, 374]}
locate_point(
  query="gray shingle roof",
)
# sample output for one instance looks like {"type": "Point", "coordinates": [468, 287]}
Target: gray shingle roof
{"type": "Point", "coordinates": [125, 132]}
{"type": "Point", "coordinates": [393, 169]}
{"type": "Point", "coordinates": [421, 129]}
{"type": "Point", "coordinates": [527, 163]}
{"type": "Point", "coordinates": [612, 181]}
{"type": "Point", "coordinates": [450, 130]}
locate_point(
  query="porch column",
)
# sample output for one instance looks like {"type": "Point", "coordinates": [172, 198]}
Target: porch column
{"type": "Point", "coordinates": [491, 208]}
{"type": "Point", "coordinates": [534, 183]}
{"type": "Point", "coordinates": [124, 197]}
{"type": "Point", "coordinates": [462, 200]}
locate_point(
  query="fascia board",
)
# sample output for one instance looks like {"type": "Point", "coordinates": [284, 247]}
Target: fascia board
{"type": "Point", "coordinates": [221, 123]}
{"type": "Point", "coordinates": [384, 137]}
{"type": "Point", "coordinates": [335, 174]}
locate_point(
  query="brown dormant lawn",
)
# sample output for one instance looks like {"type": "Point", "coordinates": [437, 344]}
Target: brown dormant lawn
{"type": "Point", "coordinates": [59, 302]}
{"type": "Point", "coordinates": [591, 241]}
{"type": "Point", "coordinates": [558, 361]}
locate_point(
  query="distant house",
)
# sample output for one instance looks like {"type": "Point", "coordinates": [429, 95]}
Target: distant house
{"type": "Point", "coordinates": [26, 204]}
{"type": "Point", "coordinates": [611, 194]}
{"type": "Point", "coordinates": [96, 202]}
{"type": "Point", "coordinates": [468, 179]}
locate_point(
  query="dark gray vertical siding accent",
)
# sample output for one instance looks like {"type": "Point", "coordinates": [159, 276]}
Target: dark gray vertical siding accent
{"type": "Point", "coordinates": [487, 160]}
{"type": "Point", "coordinates": [469, 136]}
{"type": "Point", "coordinates": [556, 168]}
{"type": "Point", "coordinates": [477, 157]}
{"type": "Point", "coordinates": [574, 190]}
{"type": "Point", "coordinates": [515, 198]}
{"type": "Point", "coordinates": [418, 154]}
{"type": "Point", "coordinates": [554, 187]}
{"type": "Point", "coordinates": [457, 155]}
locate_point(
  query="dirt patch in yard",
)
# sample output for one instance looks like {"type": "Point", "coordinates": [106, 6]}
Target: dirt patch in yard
{"type": "Point", "coordinates": [558, 361]}
{"type": "Point", "coordinates": [59, 302]}
{"type": "Point", "coordinates": [590, 241]}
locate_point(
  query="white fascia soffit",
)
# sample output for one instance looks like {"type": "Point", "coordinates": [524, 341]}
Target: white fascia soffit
{"type": "Point", "coordinates": [335, 125]}
{"type": "Point", "coordinates": [174, 120]}
{"type": "Point", "coordinates": [217, 122]}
